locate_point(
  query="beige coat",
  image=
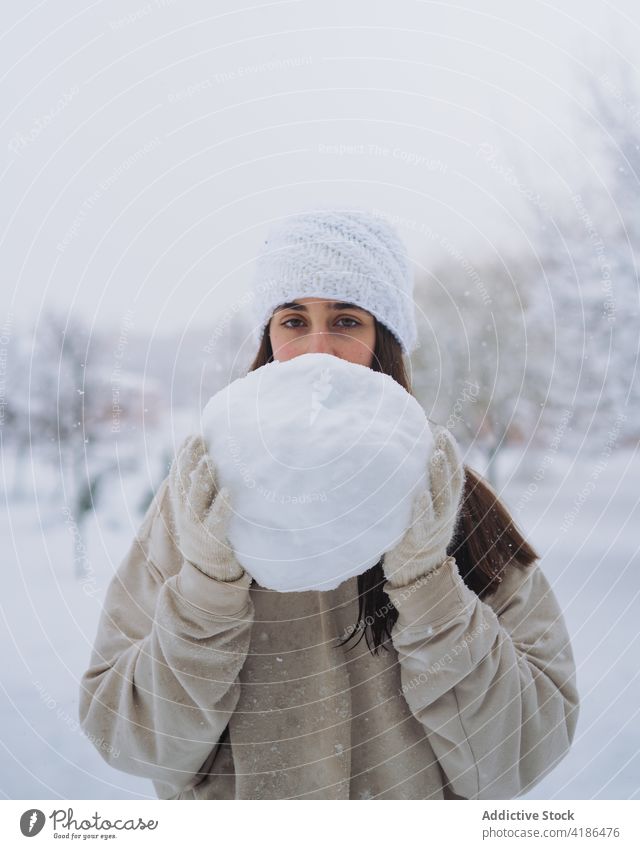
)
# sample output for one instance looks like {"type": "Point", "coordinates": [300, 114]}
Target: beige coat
{"type": "Point", "coordinates": [231, 691]}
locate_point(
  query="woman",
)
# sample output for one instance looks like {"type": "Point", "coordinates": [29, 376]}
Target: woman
{"type": "Point", "coordinates": [217, 688]}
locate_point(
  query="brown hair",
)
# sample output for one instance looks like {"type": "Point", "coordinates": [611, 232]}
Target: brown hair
{"type": "Point", "coordinates": [486, 542]}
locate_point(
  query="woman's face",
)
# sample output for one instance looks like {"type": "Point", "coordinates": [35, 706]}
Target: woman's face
{"type": "Point", "coordinates": [319, 325]}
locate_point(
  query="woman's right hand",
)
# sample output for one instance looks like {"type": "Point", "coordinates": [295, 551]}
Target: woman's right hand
{"type": "Point", "coordinates": [202, 512]}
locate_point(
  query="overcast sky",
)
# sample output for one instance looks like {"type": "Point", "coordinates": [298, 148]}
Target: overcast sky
{"type": "Point", "coordinates": [147, 145]}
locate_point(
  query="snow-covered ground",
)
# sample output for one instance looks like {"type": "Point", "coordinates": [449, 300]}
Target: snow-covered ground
{"type": "Point", "coordinates": [49, 620]}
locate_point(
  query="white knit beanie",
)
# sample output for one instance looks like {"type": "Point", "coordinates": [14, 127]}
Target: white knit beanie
{"type": "Point", "coordinates": [341, 254]}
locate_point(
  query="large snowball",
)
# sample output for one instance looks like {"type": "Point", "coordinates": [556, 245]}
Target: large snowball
{"type": "Point", "coordinates": [323, 459]}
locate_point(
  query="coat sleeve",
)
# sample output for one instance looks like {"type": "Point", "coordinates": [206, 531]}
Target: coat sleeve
{"type": "Point", "coordinates": [162, 679]}
{"type": "Point", "coordinates": [493, 683]}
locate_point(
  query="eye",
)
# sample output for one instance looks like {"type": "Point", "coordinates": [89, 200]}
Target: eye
{"type": "Point", "coordinates": [353, 322]}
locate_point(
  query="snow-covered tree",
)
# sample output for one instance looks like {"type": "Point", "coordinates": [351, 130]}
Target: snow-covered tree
{"type": "Point", "coordinates": [612, 222]}
{"type": "Point", "coordinates": [588, 251]}
{"type": "Point", "coordinates": [478, 369]}
{"type": "Point", "coordinates": [69, 412]}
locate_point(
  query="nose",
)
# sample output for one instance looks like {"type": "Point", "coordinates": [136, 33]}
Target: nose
{"type": "Point", "coordinates": [320, 342]}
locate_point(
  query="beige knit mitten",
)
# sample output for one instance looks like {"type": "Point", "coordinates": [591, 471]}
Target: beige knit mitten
{"type": "Point", "coordinates": [202, 512]}
{"type": "Point", "coordinates": [435, 513]}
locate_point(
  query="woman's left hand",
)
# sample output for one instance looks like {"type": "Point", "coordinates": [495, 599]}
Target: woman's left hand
{"type": "Point", "coordinates": [435, 513]}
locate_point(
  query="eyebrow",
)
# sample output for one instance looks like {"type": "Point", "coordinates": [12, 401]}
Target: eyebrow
{"type": "Point", "coordinates": [338, 305]}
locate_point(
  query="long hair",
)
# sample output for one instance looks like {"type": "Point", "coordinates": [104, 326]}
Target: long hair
{"type": "Point", "coordinates": [487, 541]}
